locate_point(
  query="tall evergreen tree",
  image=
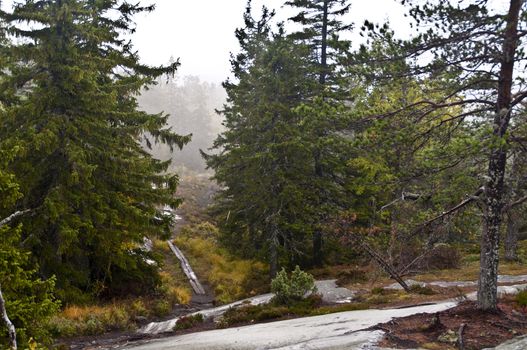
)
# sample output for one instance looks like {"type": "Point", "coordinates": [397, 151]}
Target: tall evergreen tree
{"type": "Point", "coordinates": [322, 27]}
{"type": "Point", "coordinates": [70, 107]}
{"type": "Point", "coordinates": [271, 196]}
{"type": "Point", "coordinates": [321, 30]}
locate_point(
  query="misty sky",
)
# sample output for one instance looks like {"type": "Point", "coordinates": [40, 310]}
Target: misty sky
{"type": "Point", "coordinates": [201, 32]}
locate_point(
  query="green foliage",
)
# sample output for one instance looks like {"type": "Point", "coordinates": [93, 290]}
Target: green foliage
{"type": "Point", "coordinates": [71, 110]}
{"type": "Point", "coordinates": [280, 154]}
{"type": "Point", "coordinates": [247, 314]}
{"type": "Point", "coordinates": [521, 298]}
{"type": "Point", "coordinates": [187, 322]}
{"type": "Point", "coordinates": [290, 289]}
{"type": "Point", "coordinates": [29, 299]}
{"type": "Point", "coordinates": [423, 290]}
{"type": "Point", "coordinates": [231, 278]}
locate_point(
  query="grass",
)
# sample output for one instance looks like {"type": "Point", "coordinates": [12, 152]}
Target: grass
{"type": "Point", "coordinates": [231, 279]}
{"type": "Point", "coordinates": [124, 315]}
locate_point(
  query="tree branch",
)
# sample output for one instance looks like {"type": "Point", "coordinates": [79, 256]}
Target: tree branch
{"type": "Point", "coordinates": [13, 216]}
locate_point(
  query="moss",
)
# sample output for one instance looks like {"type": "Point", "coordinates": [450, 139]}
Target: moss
{"type": "Point", "coordinates": [187, 322]}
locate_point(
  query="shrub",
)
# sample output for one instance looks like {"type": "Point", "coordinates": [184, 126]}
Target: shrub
{"type": "Point", "coordinates": [443, 256]}
{"type": "Point", "coordinates": [187, 322]}
{"type": "Point", "coordinates": [162, 308]}
{"type": "Point", "coordinates": [377, 290]}
{"type": "Point", "coordinates": [521, 298]}
{"type": "Point", "coordinates": [289, 289]}
{"type": "Point", "coordinates": [419, 289]}
{"type": "Point", "coordinates": [351, 276]}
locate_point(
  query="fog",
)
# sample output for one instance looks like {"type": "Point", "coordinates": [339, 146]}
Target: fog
{"type": "Point", "coordinates": [200, 33]}
{"type": "Point", "coordinates": [191, 104]}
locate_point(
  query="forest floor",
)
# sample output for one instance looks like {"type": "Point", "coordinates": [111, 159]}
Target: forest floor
{"type": "Point", "coordinates": [444, 330]}
{"type": "Point", "coordinates": [370, 290]}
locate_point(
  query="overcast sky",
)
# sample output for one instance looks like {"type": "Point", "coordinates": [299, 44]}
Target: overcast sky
{"type": "Point", "coordinates": [201, 32]}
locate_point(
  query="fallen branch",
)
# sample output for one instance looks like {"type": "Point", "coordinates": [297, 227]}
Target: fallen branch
{"type": "Point", "coordinates": [384, 264]}
{"type": "Point", "coordinates": [10, 327]}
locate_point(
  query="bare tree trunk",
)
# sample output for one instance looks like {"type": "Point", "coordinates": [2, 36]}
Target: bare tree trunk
{"type": "Point", "coordinates": [10, 327]}
{"type": "Point", "coordinates": [490, 238]}
{"type": "Point", "coordinates": [511, 236]}
{"type": "Point", "coordinates": [317, 248]}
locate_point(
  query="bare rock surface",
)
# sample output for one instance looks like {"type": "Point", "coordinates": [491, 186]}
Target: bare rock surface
{"type": "Point", "coordinates": [345, 330]}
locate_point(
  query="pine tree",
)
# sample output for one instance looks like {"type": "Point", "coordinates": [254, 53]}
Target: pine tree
{"type": "Point", "coordinates": [70, 107]}
{"type": "Point", "coordinates": [471, 50]}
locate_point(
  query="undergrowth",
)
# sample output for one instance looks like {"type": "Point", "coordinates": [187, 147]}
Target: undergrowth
{"type": "Point", "coordinates": [231, 278]}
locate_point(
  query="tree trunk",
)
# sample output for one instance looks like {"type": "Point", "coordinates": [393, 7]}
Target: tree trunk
{"type": "Point", "coordinates": [273, 258]}
{"type": "Point", "coordinates": [490, 238]}
{"type": "Point", "coordinates": [317, 248]}
{"type": "Point", "coordinates": [324, 45]}
{"type": "Point", "coordinates": [10, 327]}
{"type": "Point", "coordinates": [511, 236]}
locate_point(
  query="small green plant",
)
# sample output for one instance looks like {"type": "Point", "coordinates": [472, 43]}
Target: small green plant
{"type": "Point", "coordinates": [423, 290]}
{"type": "Point", "coordinates": [377, 290]}
{"type": "Point", "coordinates": [521, 298]}
{"type": "Point", "coordinates": [290, 289]}
{"type": "Point", "coordinates": [162, 308]}
{"type": "Point", "coordinates": [187, 322]}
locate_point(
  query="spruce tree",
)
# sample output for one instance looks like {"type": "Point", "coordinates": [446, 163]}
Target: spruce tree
{"type": "Point", "coordinates": [70, 107]}
{"type": "Point", "coordinates": [321, 29]}
{"type": "Point", "coordinates": [271, 199]}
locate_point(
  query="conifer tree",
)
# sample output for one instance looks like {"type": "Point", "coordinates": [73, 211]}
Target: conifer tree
{"type": "Point", "coordinates": [322, 26]}
{"type": "Point", "coordinates": [271, 197]}
{"type": "Point", "coordinates": [70, 107]}
{"type": "Point", "coordinates": [472, 50]}
{"type": "Point", "coordinates": [321, 30]}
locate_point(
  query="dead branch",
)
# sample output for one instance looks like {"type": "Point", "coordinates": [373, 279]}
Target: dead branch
{"type": "Point", "coordinates": [462, 204]}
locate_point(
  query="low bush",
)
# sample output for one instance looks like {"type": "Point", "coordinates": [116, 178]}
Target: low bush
{"type": "Point", "coordinates": [162, 308]}
{"type": "Point", "coordinates": [291, 289]}
{"type": "Point", "coordinates": [377, 290]}
{"type": "Point", "coordinates": [187, 322]}
{"type": "Point", "coordinates": [521, 298]}
{"type": "Point", "coordinates": [423, 290]}
{"type": "Point", "coordinates": [91, 320]}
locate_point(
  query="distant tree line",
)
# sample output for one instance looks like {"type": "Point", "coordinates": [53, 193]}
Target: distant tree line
{"type": "Point", "coordinates": [190, 104]}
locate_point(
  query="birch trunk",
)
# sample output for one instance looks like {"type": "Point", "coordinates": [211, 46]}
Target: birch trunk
{"type": "Point", "coordinates": [10, 327]}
